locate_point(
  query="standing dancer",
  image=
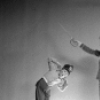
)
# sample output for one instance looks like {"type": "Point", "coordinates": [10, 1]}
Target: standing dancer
{"type": "Point", "coordinates": [89, 50]}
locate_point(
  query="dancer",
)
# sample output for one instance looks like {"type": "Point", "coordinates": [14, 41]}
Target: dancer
{"type": "Point", "coordinates": [54, 76]}
{"type": "Point", "coordinates": [43, 85]}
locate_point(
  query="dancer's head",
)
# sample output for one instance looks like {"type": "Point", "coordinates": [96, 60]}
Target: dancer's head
{"type": "Point", "coordinates": [66, 70]}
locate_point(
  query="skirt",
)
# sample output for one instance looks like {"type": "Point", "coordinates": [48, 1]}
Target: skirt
{"type": "Point", "coordinates": [41, 90]}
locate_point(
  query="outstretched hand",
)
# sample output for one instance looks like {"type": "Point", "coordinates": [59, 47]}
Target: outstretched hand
{"type": "Point", "coordinates": [75, 43]}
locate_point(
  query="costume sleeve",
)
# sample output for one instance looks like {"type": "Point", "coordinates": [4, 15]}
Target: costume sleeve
{"type": "Point", "coordinates": [89, 50]}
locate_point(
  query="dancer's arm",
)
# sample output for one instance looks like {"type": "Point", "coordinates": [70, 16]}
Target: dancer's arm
{"type": "Point", "coordinates": [89, 50]}
{"type": "Point", "coordinates": [53, 60]}
{"type": "Point", "coordinates": [54, 82]}
{"type": "Point", "coordinates": [84, 47]}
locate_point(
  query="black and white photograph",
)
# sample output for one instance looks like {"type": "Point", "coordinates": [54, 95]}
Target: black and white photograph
{"type": "Point", "coordinates": [50, 50]}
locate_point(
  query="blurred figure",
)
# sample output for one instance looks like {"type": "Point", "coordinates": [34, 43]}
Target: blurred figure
{"type": "Point", "coordinates": [89, 50]}
{"type": "Point", "coordinates": [55, 76]}
{"type": "Point", "coordinates": [43, 85]}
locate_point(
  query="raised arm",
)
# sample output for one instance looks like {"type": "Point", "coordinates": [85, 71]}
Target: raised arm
{"type": "Point", "coordinates": [52, 60]}
{"type": "Point", "coordinates": [84, 47]}
{"type": "Point", "coordinates": [89, 50]}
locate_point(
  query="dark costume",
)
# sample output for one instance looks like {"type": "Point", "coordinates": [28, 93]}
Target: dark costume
{"type": "Point", "coordinates": [42, 92]}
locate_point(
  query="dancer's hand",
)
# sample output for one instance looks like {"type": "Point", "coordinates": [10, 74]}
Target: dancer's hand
{"type": "Point", "coordinates": [53, 61]}
{"type": "Point", "coordinates": [62, 85]}
{"type": "Point", "coordinates": [75, 43]}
